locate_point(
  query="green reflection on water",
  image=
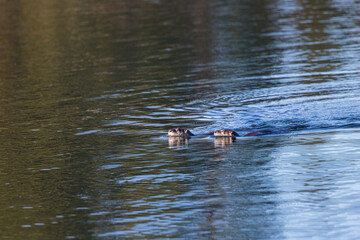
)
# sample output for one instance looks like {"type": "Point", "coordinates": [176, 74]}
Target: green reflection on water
{"type": "Point", "coordinates": [55, 57]}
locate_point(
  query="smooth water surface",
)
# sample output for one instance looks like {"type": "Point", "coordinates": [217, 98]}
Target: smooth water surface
{"type": "Point", "coordinates": [88, 90]}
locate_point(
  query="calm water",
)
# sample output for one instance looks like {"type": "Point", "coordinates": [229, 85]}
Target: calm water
{"type": "Point", "coordinates": [88, 90]}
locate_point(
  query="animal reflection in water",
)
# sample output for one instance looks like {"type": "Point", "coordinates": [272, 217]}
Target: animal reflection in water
{"type": "Point", "coordinates": [178, 141]}
{"type": "Point", "coordinates": [223, 141]}
{"type": "Point", "coordinates": [180, 136]}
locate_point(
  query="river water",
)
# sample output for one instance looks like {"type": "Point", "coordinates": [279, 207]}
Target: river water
{"type": "Point", "coordinates": [88, 90]}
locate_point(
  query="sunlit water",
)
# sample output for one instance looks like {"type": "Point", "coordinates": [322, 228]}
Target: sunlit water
{"type": "Point", "coordinates": [88, 90]}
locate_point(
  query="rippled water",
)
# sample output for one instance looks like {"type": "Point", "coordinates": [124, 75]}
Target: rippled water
{"type": "Point", "coordinates": [88, 90]}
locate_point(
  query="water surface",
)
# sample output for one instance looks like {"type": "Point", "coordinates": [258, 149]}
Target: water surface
{"type": "Point", "coordinates": [88, 90]}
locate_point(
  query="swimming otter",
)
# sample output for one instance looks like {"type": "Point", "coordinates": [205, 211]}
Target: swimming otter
{"type": "Point", "coordinates": [225, 133]}
{"type": "Point", "coordinates": [185, 133]}
{"type": "Point", "coordinates": [181, 132]}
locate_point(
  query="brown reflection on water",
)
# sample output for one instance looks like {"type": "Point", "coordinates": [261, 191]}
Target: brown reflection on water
{"type": "Point", "coordinates": [178, 141]}
{"type": "Point", "coordinates": [55, 56]}
{"type": "Point", "coordinates": [219, 142]}
{"type": "Point", "coordinates": [223, 141]}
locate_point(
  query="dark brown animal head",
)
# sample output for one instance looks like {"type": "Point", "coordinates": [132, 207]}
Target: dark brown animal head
{"type": "Point", "coordinates": [180, 132]}
{"type": "Point", "coordinates": [225, 133]}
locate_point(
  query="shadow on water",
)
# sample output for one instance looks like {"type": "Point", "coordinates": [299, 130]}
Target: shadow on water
{"type": "Point", "coordinates": [88, 88]}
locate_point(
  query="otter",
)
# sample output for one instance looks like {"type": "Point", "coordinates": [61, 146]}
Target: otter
{"type": "Point", "coordinates": [182, 132]}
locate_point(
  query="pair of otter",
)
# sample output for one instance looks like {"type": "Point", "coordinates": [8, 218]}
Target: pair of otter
{"type": "Point", "coordinates": [182, 132]}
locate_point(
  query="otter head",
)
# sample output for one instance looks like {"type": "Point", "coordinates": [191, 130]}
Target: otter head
{"type": "Point", "coordinates": [225, 133]}
{"type": "Point", "coordinates": [179, 132]}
